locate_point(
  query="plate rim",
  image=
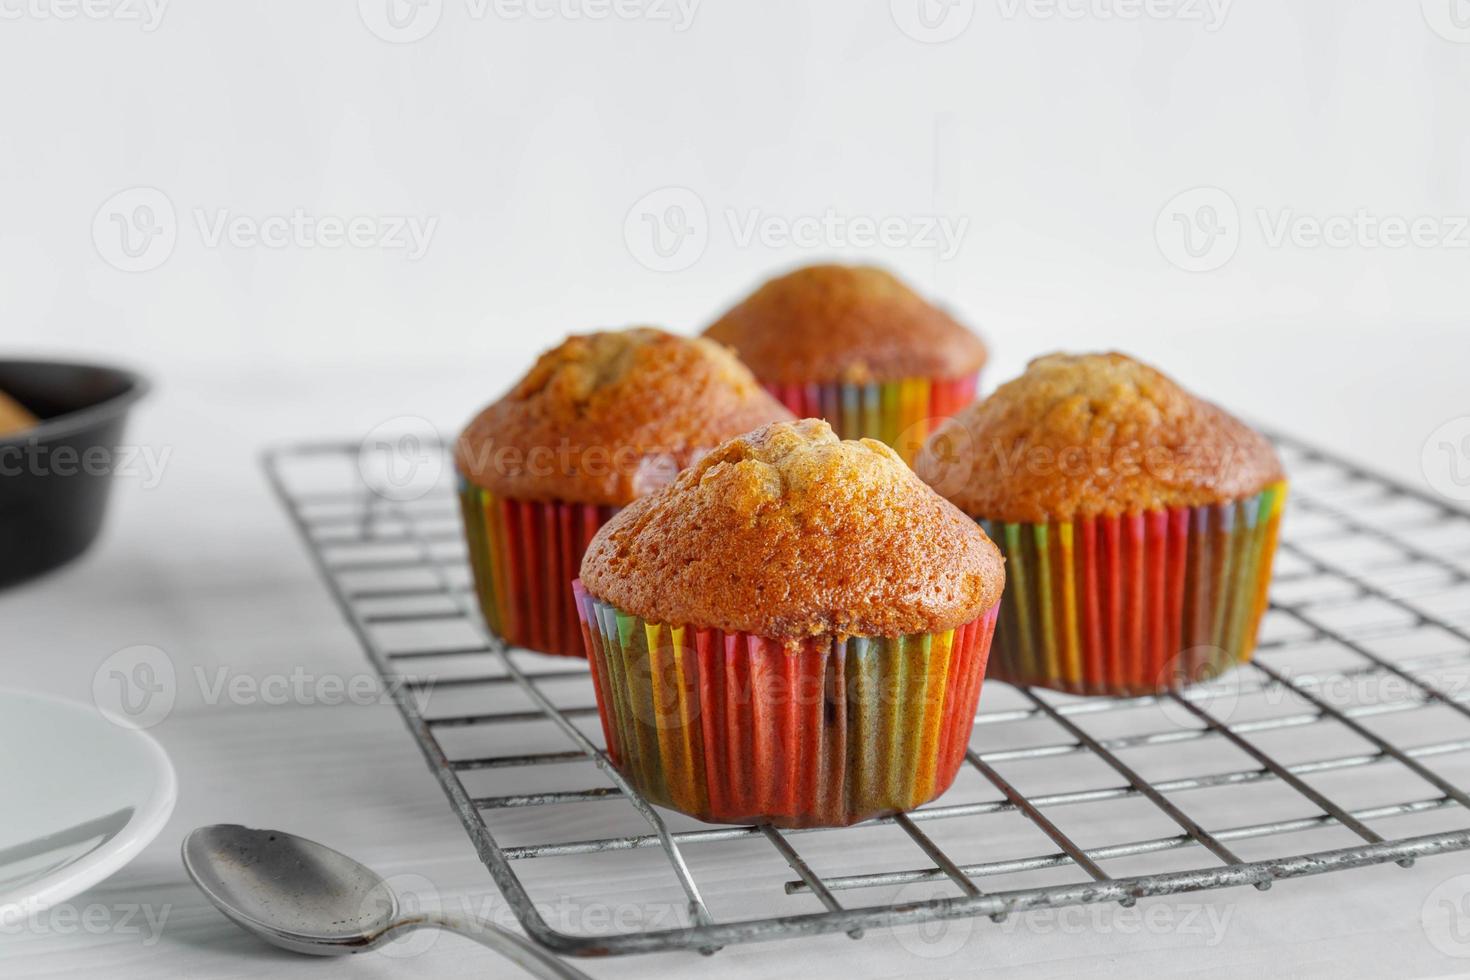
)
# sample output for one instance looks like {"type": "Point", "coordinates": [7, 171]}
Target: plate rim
{"type": "Point", "coordinates": [143, 827]}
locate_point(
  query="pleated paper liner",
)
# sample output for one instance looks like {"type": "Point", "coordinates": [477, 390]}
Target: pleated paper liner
{"type": "Point", "coordinates": [899, 413]}
{"type": "Point", "coordinates": [524, 555]}
{"type": "Point", "coordinates": [1137, 604]}
{"type": "Point", "coordinates": [734, 728]}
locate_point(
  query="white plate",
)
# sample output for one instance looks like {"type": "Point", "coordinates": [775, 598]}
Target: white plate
{"type": "Point", "coordinates": [82, 796]}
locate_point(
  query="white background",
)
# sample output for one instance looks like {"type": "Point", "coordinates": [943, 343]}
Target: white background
{"type": "Point", "coordinates": [1059, 140]}
{"type": "Point", "coordinates": [541, 146]}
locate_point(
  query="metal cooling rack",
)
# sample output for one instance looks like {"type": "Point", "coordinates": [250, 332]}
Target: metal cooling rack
{"type": "Point", "coordinates": [1345, 744]}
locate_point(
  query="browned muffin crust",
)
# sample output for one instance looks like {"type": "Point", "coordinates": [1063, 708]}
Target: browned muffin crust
{"type": "Point", "coordinates": [827, 323]}
{"type": "Point", "coordinates": [1083, 435]}
{"type": "Point", "coordinates": [789, 532]}
{"type": "Point", "coordinates": [604, 418]}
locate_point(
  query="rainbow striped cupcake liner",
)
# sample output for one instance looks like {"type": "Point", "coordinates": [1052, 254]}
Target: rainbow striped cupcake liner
{"type": "Point", "coordinates": [735, 728]}
{"type": "Point", "coordinates": [1137, 604]}
{"type": "Point", "coordinates": [524, 555]}
{"type": "Point", "coordinates": [899, 413]}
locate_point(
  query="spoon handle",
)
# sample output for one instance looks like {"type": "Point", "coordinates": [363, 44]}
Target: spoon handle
{"type": "Point", "coordinates": [520, 951]}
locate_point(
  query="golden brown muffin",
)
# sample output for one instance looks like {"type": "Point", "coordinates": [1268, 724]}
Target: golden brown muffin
{"type": "Point", "coordinates": [13, 417]}
{"type": "Point", "coordinates": [845, 323]}
{"type": "Point", "coordinates": [1083, 435]}
{"type": "Point", "coordinates": [604, 418]}
{"type": "Point", "coordinates": [789, 532]}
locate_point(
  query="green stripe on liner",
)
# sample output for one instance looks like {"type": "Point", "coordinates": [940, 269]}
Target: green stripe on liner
{"type": "Point", "coordinates": [891, 406]}
{"type": "Point", "coordinates": [1245, 598]}
{"type": "Point", "coordinates": [1020, 580]}
{"type": "Point", "coordinates": [864, 722]}
{"type": "Point", "coordinates": [915, 653]}
{"type": "Point", "coordinates": [872, 407]}
{"type": "Point", "coordinates": [1044, 588]}
{"type": "Point", "coordinates": [617, 661]}
{"type": "Point", "coordinates": [895, 674]}
{"type": "Point", "coordinates": [1235, 570]}
{"type": "Point", "coordinates": [1237, 551]}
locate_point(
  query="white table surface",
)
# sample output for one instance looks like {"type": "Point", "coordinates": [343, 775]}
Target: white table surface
{"type": "Point", "coordinates": [205, 567]}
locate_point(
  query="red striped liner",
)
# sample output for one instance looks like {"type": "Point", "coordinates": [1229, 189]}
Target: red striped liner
{"type": "Point", "coordinates": [524, 555]}
{"type": "Point", "coordinates": [735, 728]}
{"type": "Point", "coordinates": [899, 413]}
{"type": "Point", "coordinates": [1138, 604]}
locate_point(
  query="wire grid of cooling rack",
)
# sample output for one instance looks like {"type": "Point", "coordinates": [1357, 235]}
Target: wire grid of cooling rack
{"type": "Point", "coordinates": [1365, 649]}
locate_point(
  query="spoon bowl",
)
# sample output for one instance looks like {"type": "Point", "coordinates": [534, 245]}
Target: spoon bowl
{"type": "Point", "coordinates": [292, 892]}
{"type": "Point", "coordinates": [307, 898]}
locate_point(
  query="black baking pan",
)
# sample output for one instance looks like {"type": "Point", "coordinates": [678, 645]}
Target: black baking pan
{"type": "Point", "coordinates": [55, 477]}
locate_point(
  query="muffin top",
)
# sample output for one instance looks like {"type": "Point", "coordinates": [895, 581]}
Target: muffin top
{"type": "Point", "coordinates": [604, 418]}
{"type": "Point", "coordinates": [845, 323]}
{"type": "Point", "coordinates": [1084, 435]}
{"type": "Point", "coordinates": [788, 532]}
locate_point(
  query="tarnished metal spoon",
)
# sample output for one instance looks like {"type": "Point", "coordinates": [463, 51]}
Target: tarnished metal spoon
{"type": "Point", "coordinates": [303, 896]}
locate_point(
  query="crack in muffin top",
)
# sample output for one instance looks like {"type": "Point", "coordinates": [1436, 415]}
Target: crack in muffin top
{"type": "Point", "coordinates": [603, 418]}
{"type": "Point", "coordinates": [825, 323]}
{"type": "Point", "coordinates": [788, 532]}
{"type": "Point", "coordinates": [1087, 435]}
